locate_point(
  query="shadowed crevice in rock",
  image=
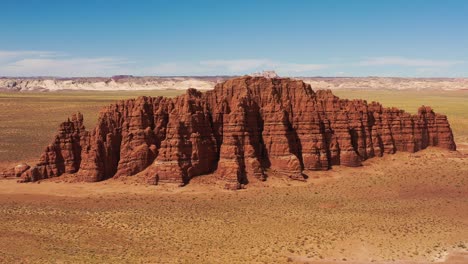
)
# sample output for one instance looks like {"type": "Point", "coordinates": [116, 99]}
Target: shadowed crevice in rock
{"type": "Point", "coordinates": [294, 143]}
{"type": "Point", "coordinates": [354, 140]}
{"type": "Point", "coordinates": [235, 132]}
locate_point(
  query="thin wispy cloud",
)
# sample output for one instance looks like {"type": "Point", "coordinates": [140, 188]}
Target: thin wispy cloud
{"type": "Point", "coordinates": [255, 64]}
{"type": "Point", "coordinates": [49, 63]}
{"type": "Point", "coordinates": [408, 62]}
{"type": "Point", "coordinates": [236, 65]}
{"type": "Point", "coordinates": [21, 53]}
{"type": "Point", "coordinates": [293, 68]}
{"type": "Point", "coordinates": [232, 67]}
{"type": "Point", "coordinates": [245, 66]}
{"type": "Point", "coordinates": [8, 55]}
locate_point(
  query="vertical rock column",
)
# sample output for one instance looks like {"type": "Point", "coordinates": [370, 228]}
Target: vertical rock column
{"type": "Point", "coordinates": [63, 155]}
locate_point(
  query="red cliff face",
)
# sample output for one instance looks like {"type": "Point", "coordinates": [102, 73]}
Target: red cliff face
{"type": "Point", "coordinates": [236, 131]}
{"type": "Point", "coordinates": [63, 155]}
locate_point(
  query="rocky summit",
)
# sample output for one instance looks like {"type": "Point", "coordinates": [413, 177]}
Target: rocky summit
{"type": "Point", "coordinates": [239, 132]}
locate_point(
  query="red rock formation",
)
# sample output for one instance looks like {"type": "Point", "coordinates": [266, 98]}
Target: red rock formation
{"type": "Point", "coordinates": [188, 147]}
{"type": "Point", "coordinates": [20, 169]}
{"type": "Point", "coordinates": [237, 131]}
{"type": "Point", "coordinates": [7, 173]}
{"type": "Point", "coordinates": [63, 155]}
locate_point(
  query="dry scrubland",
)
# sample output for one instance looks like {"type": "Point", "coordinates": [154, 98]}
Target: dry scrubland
{"type": "Point", "coordinates": [408, 207]}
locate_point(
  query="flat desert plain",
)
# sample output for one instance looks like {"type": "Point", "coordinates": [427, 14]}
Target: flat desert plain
{"type": "Point", "coordinates": [402, 208]}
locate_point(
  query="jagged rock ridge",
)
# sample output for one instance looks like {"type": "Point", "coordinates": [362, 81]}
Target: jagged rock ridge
{"type": "Point", "coordinates": [236, 131]}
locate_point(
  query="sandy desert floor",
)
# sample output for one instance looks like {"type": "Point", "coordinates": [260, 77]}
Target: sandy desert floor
{"type": "Point", "coordinates": [402, 208]}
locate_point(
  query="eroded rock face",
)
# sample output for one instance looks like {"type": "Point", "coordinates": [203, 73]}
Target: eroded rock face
{"type": "Point", "coordinates": [7, 173]}
{"type": "Point", "coordinates": [20, 169]}
{"type": "Point", "coordinates": [63, 155]}
{"type": "Point", "coordinates": [237, 131]}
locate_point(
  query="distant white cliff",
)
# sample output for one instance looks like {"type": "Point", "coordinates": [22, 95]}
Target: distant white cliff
{"type": "Point", "coordinates": [266, 74]}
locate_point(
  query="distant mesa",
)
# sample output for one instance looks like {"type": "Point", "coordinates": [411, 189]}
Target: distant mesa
{"type": "Point", "coordinates": [135, 83]}
{"type": "Point", "coordinates": [266, 74]}
{"type": "Point", "coordinates": [118, 77]}
{"type": "Point", "coordinates": [239, 132]}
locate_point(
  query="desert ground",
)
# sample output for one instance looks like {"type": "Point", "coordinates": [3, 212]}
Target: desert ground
{"type": "Point", "coordinates": [402, 208]}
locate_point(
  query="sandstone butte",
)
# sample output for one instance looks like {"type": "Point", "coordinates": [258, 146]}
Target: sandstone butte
{"type": "Point", "coordinates": [235, 132]}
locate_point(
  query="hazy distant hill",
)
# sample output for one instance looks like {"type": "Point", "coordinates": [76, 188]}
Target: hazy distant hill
{"type": "Point", "coordinates": [127, 82]}
{"type": "Point", "coordinates": [121, 82]}
{"type": "Point", "coordinates": [379, 83]}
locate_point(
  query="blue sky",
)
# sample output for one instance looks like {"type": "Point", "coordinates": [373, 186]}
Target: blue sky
{"type": "Point", "coordinates": [420, 38]}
